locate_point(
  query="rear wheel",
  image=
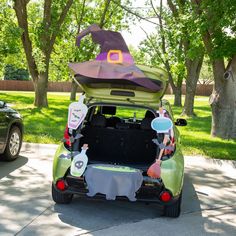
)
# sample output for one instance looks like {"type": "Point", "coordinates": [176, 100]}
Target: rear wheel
{"type": "Point", "coordinates": [60, 197]}
{"type": "Point", "coordinates": [174, 209]}
{"type": "Point", "coordinates": [13, 144]}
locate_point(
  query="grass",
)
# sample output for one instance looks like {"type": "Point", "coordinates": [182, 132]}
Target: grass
{"type": "Point", "coordinates": [46, 125]}
{"type": "Point", "coordinates": [196, 138]}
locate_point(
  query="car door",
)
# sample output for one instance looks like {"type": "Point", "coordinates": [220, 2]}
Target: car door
{"type": "Point", "coordinates": [3, 125]}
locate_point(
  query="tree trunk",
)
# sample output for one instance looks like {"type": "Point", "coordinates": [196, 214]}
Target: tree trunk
{"type": "Point", "coordinates": [189, 103]}
{"type": "Point", "coordinates": [177, 96]}
{"type": "Point", "coordinates": [193, 72]}
{"type": "Point", "coordinates": [40, 87]}
{"type": "Point", "coordinates": [177, 89]}
{"type": "Point", "coordinates": [223, 101]}
{"type": "Point", "coordinates": [73, 91]}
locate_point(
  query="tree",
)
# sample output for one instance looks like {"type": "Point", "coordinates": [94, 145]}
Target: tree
{"type": "Point", "coordinates": [217, 25]}
{"type": "Point", "coordinates": [150, 47]}
{"type": "Point", "coordinates": [193, 49]}
{"type": "Point", "coordinates": [176, 46]}
{"type": "Point", "coordinates": [38, 50]}
{"type": "Point", "coordinates": [166, 48]}
{"type": "Point", "coordinates": [140, 57]}
{"type": "Point", "coordinates": [179, 47]}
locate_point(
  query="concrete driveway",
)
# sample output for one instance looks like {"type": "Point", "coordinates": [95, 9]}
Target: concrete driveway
{"type": "Point", "coordinates": [26, 207]}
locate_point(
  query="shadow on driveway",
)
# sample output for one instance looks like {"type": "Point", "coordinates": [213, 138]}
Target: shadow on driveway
{"type": "Point", "coordinates": [89, 215]}
{"type": "Point", "coordinates": [7, 167]}
{"type": "Point", "coordinates": [24, 194]}
{"type": "Point", "coordinates": [208, 195]}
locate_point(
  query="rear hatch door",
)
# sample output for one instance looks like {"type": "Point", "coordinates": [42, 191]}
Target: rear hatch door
{"type": "Point", "coordinates": [122, 90]}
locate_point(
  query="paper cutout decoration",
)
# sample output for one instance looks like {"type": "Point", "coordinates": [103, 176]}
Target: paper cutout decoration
{"type": "Point", "coordinates": [113, 181]}
{"type": "Point", "coordinates": [79, 162]}
{"type": "Point", "coordinates": [154, 171]}
{"type": "Point", "coordinates": [162, 124]}
{"type": "Point", "coordinates": [77, 112]}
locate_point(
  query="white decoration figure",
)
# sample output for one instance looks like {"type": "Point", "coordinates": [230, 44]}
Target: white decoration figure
{"type": "Point", "coordinates": [76, 113]}
{"type": "Point", "coordinates": [79, 162]}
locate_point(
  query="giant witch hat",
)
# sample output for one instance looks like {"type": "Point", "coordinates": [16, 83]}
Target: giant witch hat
{"type": "Point", "coordinates": [113, 64]}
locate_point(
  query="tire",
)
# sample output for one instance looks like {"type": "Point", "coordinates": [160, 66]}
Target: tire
{"type": "Point", "coordinates": [59, 197]}
{"type": "Point", "coordinates": [13, 144]}
{"type": "Point", "coordinates": [174, 209]}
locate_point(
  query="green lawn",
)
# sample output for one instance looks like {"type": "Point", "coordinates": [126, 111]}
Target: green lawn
{"type": "Point", "coordinates": [47, 125]}
{"type": "Point", "coordinates": [196, 138]}
{"type": "Point", "coordinates": [44, 125]}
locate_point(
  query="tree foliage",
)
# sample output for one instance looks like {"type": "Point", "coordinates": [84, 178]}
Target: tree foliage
{"type": "Point", "coordinates": [11, 51]}
{"type": "Point", "coordinates": [64, 49]}
{"type": "Point", "coordinates": [220, 22]}
{"type": "Point", "coordinates": [206, 76]}
{"type": "Point", "coordinates": [13, 73]}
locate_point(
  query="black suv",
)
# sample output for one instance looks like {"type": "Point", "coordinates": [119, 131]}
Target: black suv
{"type": "Point", "coordinates": [11, 132]}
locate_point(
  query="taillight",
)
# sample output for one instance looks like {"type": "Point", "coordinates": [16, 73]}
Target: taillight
{"type": "Point", "coordinates": [61, 185]}
{"type": "Point", "coordinates": [67, 137]}
{"type": "Point", "coordinates": [165, 196]}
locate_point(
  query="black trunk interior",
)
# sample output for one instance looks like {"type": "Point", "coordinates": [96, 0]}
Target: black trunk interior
{"type": "Point", "coordinates": [122, 145]}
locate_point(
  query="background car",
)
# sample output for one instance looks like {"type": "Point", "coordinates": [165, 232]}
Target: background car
{"type": "Point", "coordinates": [11, 132]}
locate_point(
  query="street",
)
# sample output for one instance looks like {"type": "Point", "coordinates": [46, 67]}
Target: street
{"type": "Point", "coordinates": [208, 205]}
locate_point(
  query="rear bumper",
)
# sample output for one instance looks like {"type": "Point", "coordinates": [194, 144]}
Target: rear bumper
{"type": "Point", "coordinates": [148, 193]}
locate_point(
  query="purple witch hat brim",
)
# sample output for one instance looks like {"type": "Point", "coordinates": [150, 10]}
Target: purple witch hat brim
{"type": "Point", "coordinates": [102, 70]}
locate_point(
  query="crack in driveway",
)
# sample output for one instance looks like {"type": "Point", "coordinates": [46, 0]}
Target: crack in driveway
{"type": "Point", "coordinates": [30, 222]}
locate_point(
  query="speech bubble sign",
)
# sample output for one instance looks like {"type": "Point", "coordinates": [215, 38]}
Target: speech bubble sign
{"type": "Point", "coordinates": [162, 124]}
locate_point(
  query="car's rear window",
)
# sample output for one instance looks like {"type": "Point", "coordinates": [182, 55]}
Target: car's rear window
{"type": "Point", "coordinates": [130, 112]}
{"type": "Point", "coordinates": [123, 112]}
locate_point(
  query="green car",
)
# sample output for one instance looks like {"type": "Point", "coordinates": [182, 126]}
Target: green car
{"type": "Point", "coordinates": [117, 129]}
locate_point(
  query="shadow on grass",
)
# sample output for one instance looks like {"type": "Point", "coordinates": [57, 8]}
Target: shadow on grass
{"type": "Point", "coordinates": [16, 98]}
{"type": "Point", "coordinates": [203, 108]}
{"type": "Point", "coordinates": [202, 124]}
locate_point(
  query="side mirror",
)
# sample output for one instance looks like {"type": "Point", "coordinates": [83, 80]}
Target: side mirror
{"type": "Point", "coordinates": [181, 122]}
{"type": "Point", "coordinates": [2, 104]}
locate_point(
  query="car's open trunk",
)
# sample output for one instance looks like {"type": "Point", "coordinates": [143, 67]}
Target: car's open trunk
{"type": "Point", "coordinates": [125, 145]}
